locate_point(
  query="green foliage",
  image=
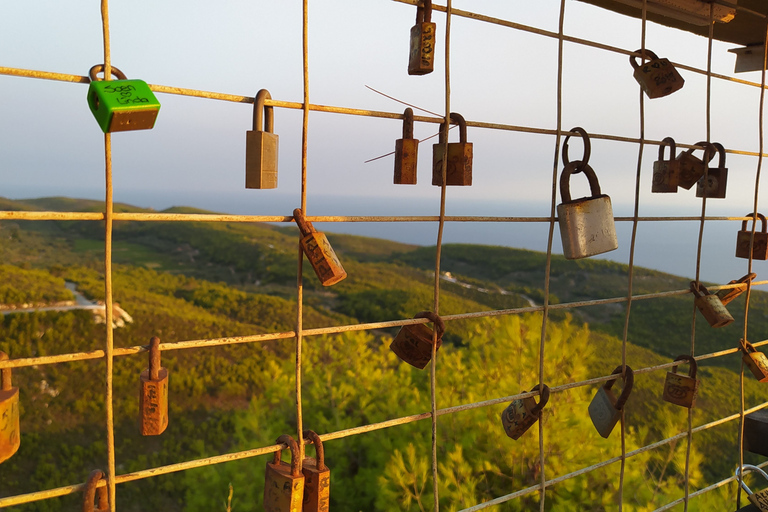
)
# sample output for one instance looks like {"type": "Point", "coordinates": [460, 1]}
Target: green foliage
{"type": "Point", "coordinates": [19, 286]}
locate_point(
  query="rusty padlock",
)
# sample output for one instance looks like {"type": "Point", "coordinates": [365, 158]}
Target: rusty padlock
{"type": "Point", "coordinates": [261, 145]}
{"type": "Point", "coordinates": [713, 184]}
{"type": "Point", "coordinates": [153, 401]}
{"type": "Point", "coordinates": [666, 173]}
{"type": "Point", "coordinates": [413, 343]}
{"type": "Point", "coordinates": [758, 500]}
{"type": "Point", "coordinates": [710, 306]}
{"type": "Point", "coordinates": [586, 224]}
{"type": "Point", "coordinates": [406, 152]}
{"type": "Point", "coordinates": [284, 483]}
{"type": "Point", "coordinates": [522, 413]}
{"type": "Point", "coordinates": [10, 433]}
{"type": "Point", "coordinates": [317, 483]}
{"type": "Point", "coordinates": [760, 244]}
{"type": "Point", "coordinates": [90, 491]}
{"type": "Point", "coordinates": [605, 409]}
{"type": "Point", "coordinates": [423, 38]}
{"type": "Point", "coordinates": [319, 252]}
{"type": "Point", "coordinates": [657, 77]}
{"type": "Point", "coordinates": [728, 294]}
{"type": "Point", "coordinates": [755, 360]}
{"type": "Point", "coordinates": [584, 160]}
{"type": "Point", "coordinates": [756, 432]}
{"type": "Point", "coordinates": [693, 168]}
{"type": "Point", "coordinates": [682, 389]}
{"type": "Point", "coordinates": [459, 169]}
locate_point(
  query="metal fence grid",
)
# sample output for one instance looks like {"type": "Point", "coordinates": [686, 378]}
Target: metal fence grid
{"type": "Point", "coordinates": [109, 216]}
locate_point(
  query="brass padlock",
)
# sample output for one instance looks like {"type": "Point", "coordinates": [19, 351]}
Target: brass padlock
{"type": "Point", "coordinates": [459, 169]}
{"type": "Point", "coordinates": [605, 409]}
{"type": "Point", "coordinates": [586, 224]}
{"type": "Point", "coordinates": [10, 433]}
{"type": "Point", "coordinates": [710, 306]}
{"type": "Point", "coordinates": [317, 483]}
{"type": "Point", "coordinates": [760, 243]}
{"type": "Point", "coordinates": [522, 413]}
{"type": "Point", "coordinates": [319, 252]}
{"type": "Point", "coordinates": [406, 152]}
{"type": "Point", "coordinates": [713, 184]}
{"type": "Point", "coordinates": [413, 343]}
{"type": "Point", "coordinates": [89, 493]}
{"type": "Point", "coordinates": [682, 389]}
{"type": "Point", "coordinates": [261, 146]}
{"type": "Point", "coordinates": [657, 77]}
{"type": "Point", "coordinates": [755, 360]}
{"type": "Point", "coordinates": [759, 500]}
{"type": "Point", "coordinates": [122, 104]}
{"type": "Point", "coordinates": [284, 483]}
{"type": "Point", "coordinates": [728, 294]}
{"type": "Point", "coordinates": [153, 400]}
{"type": "Point", "coordinates": [756, 432]}
{"type": "Point", "coordinates": [693, 168]}
{"type": "Point", "coordinates": [666, 173]}
{"type": "Point", "coordinates": [423, 39]}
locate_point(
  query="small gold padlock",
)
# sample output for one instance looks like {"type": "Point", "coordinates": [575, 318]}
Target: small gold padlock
{"type": "Point", "coordinates": [153, 400]}
{"type": "Point", "coordinates": [710, 306]}
{"type": "Point", "coordinates": [756, 432]}
{"type": "Point", "coordinates": [89, 493]}
{"type": "Point", "coordinates": [522, 413]}
{"type": "Point", "coordinates": [693, 168]}
{"type": "Point", "coordinates": [728, 294]}
{"type": "Point", "coordinates": [755, 360]}
{"type": "Point", "coordinates": [317, 483]}
{"type": "Point", "coordinates": [757, 499]}
{"type": "Point", "coordinates": [10, 433]}
{"type": "Point", "coordinates": [319, 252]}
{"type": "Point", "coordinates": [459, 168]}
{"type": "Point", "coordinates": [760, 243]}
{"type": "Point", "coordinates": [658, 77]}
{"type": "Point", "coordinates": [682, 389]}
{"type": "Point", "coordinates": [713, 184]}
{"type": "Point", "coordinates": [422, 52]}
{"type": "Point", "coordinates": [413, 343]}
{"type": "Point", "coordinates": [605, 409]}
{"type": "Point", "coordinates": [666, 173]}
{"type": "Point", "coordinates": [284, 483]}
{"type": "Point", "coordinates": [406, 152]}
{"type": "Point", "coordinates": [261, 145]}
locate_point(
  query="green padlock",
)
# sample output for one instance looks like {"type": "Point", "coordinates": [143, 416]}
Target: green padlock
{"type": "Point", "coordinates": [121, 105]}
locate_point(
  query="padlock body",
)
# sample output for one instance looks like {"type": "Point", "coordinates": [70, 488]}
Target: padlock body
{"type": "Point", "coordinates": [756, 432]}
{"type": "Point", "coordinates": [716, 181]}
{"type": "Point", "coordinates": [406, 156]}
{"type": "Point", "coordinates": [122, 105]}
{"type": "Point", "coordinates": [658, 78]}
{"type": "Point", "coordinates": [260, 159]}
{"type": "Point", "coordinates": [758, 365]}
{"type": "Point", "coordinates": [322, 258]}
{"type": "Point", "coordinates": [153, 403]}
{"type": "Point", "coordinates": [759, 247]}
{"type": "Point", "coordinates": [680, 389]}
{"type": "Point", "coordinates": [603, 412]}
{"type": "Point", "coordinates": [587, 227]}
{"type": "Point", "coordinates": [760, 500]}
{"type": "Point", "coordinates": [459, 170]}
{"type": "Point", "coordinates": [666, 174]}
{"type": "Point", "coordinates": [413, 344]}
{"type": "Point", "coordinates": [713, 310]}
{"type": "Point", "coordinates": [317, 487]}
{"type": "Point", "coordinates": [422, 55]}
{"type": "Point", "coordinates": [283, 492]}
{"type": "Point", "coordinates": [691, 170]}
{"type": "Point", "coordinates": [10, 434]}
{"type": "Point", "coordinates": [518, 417]}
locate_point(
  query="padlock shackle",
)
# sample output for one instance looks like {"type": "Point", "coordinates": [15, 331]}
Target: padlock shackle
{"type": "Point", "coordinates": [648, 55]}
{"type": "Point", "coordinates": [5, 375]}
{"type": "Point", "coordinates": [262, 112]}
{"type": "Point", "coordinates": [745, 279]}
{"type": "Point", "coordinates": [543, 398]}
{"type": "Point", "coordinates": [89, 493]}
{"type": "Point", "coordinates": [699, 290]}
{"type": "Point", "coordinates": [720, 151]}
{"type": "Point", "coordinates": [710, 150]}
{"type": "Point", "coordinates": [154, 358]}
{"type": "Point", "coordinates": [98, 68]}
{"type": "Point", "coordinates": [668, 141]}
{"type": "Point", "coordinates": [288, 440]}
{"type": "Point", "coordinates": [436, 320]}
{"type": "Point", "coordinates": [629, 380]}
{"type": "Point", "coordinates": [408, 123]}
{"type": "Point", "coordinates": [762, 224]}
{"type": "Point", "coordinates": [746, 468]}
{"type": "Point", "coordinates": [457, 119]}
{"type": "Point", "coordinates": [572, 168]}
{"type": "Point", "coordinates": [693, 366]}
{"type": "Point", "coordinates": [424, 14]}
{"type": "Point", "coordinates": [315, 440]}
{"type": "Point", "coordinates": [587, 147]}
{"type": "Point", "coordinates": [305, 226]}
{"type": "Point", "coordinates": [746, 346]}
